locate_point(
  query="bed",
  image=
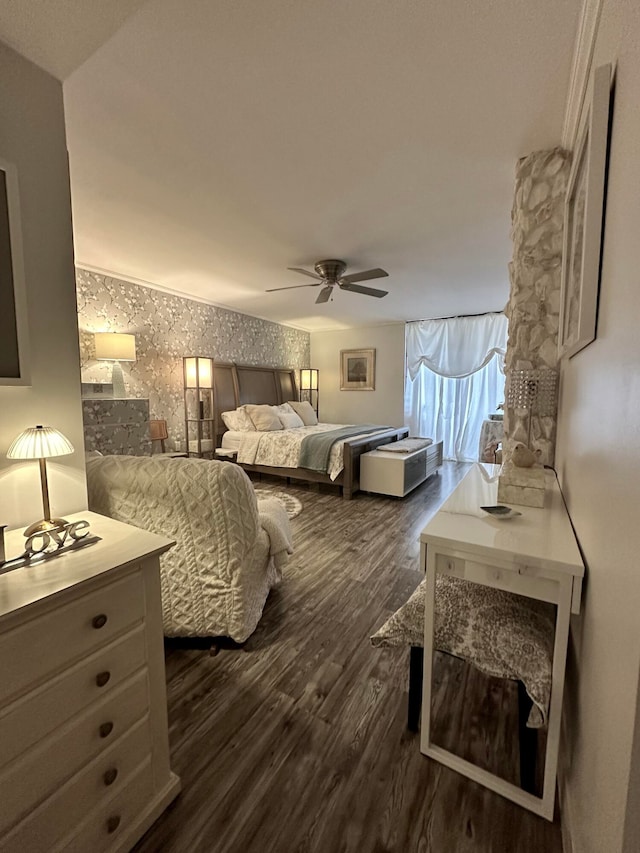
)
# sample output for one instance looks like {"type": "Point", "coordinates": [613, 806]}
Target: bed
{"type": "Point", "coordinates": [240, 385]}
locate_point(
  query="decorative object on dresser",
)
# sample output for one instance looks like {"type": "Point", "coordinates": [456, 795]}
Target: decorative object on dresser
{"type": "Point", "coordinates": [538, 559]}
{"type": "Point", "coordinates": [84, 753]}
{"type": "Point", "coordinates": [199, 414]}
{"type": "Point", "coordinates": [116, 426]}
{"type": "Point", "coordinates": [116, 347]}
{"type": "Point", "coordinates": [46, 544]}
{"type": "Point", "coordinates": [388, 472]}
{"type": "Point", "coordinates": [583, 221]}
{"type": "Point", "coordinates": [357, 370]}
{"type": "Point", "coordinates": [309, 386]}
{"type": "Point", "coordinates": [41, 443]}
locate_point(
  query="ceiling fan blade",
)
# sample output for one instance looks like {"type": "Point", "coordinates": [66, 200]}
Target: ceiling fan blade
{"type": "Point", "coordinates": [291, 287]}
{"type": "Point", "coordinates": [305, 272]}
{"type": "Point", "coordinates": [365, 276]}
{"type": "Point", "coordinates": [367, 291]}
{"type": "Point", "coordinates": [324, 295]}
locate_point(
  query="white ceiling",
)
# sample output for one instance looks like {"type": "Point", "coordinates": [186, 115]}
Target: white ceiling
{"type": "Point", "coordinates": [212, 145]}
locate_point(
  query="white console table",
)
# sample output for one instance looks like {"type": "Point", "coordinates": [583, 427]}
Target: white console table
{"type": "Point", "coordinates": [535, 555]}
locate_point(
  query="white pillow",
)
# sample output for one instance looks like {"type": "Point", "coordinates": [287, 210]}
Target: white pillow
{"type": "Point", "coordinates": [305, 411]}
{"type": "Point", "coordinates": [283, 409]}
{"type": "Point", "coordinates": [238, 421]}
{"type": "Point", "coordinates": [291, 421]}
{"type": "Point", "coordinates": [264, 418]}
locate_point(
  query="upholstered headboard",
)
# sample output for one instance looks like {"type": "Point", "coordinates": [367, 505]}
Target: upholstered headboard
{"type": "Point", "coordinates": [237, 384]}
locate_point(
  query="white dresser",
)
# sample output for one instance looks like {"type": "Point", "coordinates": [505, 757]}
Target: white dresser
{"type": "Point", "coordinates": [84, 752]}
{"type": "Point", "coordinates": [386, 472]}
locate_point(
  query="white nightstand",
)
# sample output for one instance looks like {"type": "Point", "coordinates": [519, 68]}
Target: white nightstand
{"type": "Point", "coordinates": [396, 474]}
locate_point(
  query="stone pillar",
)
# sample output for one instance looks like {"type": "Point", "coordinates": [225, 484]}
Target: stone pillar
{"type": "Point", "coordinates": [535, 272]}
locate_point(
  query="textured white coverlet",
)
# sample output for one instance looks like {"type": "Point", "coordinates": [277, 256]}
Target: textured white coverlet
{"type": "Point", "coordinates": [216, 578]}
{"type": "Point", "coordinates": [281, 448]}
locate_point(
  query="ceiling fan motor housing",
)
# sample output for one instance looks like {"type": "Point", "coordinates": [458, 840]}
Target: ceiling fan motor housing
{"type": "Point", "coordinates": [331, 271]}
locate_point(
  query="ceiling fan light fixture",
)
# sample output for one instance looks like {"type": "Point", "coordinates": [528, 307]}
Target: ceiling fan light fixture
{"type": "Point", "coordinates": [331, 272]}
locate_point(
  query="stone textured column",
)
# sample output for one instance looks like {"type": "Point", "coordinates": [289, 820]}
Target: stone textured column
{"type": "Point", "coordinates": [535, 273]}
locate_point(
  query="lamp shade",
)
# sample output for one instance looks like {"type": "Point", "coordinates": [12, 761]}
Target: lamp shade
{"type": "Point", "coordinates": [39, 442]}
{"type": "Point", "coordinates": [115, 346]}
{"type": "Point", "coordinates": [197, 370]}
{"type": "Point", "coordinates": [309, 379]}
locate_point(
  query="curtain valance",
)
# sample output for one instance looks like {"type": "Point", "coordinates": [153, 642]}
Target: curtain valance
{"type": "Point", "coordinates": [456, 347]}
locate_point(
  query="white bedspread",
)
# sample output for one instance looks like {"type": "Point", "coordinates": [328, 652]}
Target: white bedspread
{"type": "Point", "coordinates": [281, 448]}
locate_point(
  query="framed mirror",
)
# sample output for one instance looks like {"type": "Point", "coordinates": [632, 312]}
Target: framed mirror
{"type": "Point", "coordinates": [14, 350]}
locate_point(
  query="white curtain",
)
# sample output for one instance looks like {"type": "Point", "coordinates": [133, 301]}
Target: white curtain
{"type": "Point", "coordinates": [454, 379]}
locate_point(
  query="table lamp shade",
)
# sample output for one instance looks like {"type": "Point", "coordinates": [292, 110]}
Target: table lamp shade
{"type": "Point", "coordinates": [115, 346]}
{"type": "Point", "coordinates": [40, 442]}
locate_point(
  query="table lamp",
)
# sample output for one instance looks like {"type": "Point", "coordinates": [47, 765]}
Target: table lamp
{"type": "Point", "coordinates": [41, 443]}
{"type": "Point", "coordinates": [116, 347]}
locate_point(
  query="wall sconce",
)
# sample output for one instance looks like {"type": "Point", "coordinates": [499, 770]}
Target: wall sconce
{"type": "Point", "coordinates": [116, 347]}
{"type": "Point", "coordinates": [41, 443]}
{"type": "Point", "coordinates": [309, 386]}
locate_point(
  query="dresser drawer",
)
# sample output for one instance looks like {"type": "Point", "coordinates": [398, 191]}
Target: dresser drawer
{"type": "Point", "coordinates": [47, 643]}
{"type": "Point", "coordinates": [109, 822]}
{"type": "Point", "coordinates": [35, 715]}
{"type": "Point", "coordinates": [98, 783]}
{"type": "Point", "coordinates": [54, 760]}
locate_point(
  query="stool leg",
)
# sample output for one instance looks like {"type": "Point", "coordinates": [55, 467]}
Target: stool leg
{"type": "Point", "coordinates": [528, 742]}
{"type": "Point", "coordinates": [416, 664]}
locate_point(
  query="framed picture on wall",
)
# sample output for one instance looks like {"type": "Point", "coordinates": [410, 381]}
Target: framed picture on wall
{"type": "Point", "coordinates": [583, 223]}
{"type": "Point", "coordinates": [357, 370]}
{"type": "Point", "coordinates": [13, 302]}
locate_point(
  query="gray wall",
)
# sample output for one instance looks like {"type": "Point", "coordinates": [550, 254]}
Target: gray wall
{"type": "Point", "coordinates": [385, 405]}
{"type": "Point", "coordinates": [598, 460]}
{"type": "Point", "coordinates": [32, 136]}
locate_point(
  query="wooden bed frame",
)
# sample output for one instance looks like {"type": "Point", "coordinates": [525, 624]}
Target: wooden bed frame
{"type": "Point", "coordinates": [238, 384]}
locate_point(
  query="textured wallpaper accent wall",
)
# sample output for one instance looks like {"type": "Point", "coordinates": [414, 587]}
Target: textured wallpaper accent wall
{"type": "Point", "coordinates": [168, 327]}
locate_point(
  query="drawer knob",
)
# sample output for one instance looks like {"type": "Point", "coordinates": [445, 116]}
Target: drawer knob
{"type": "Point", "coordinates": [106, 729]}
{"type": "Point", "coordinates": [99, 621]}
{"type": "Point", "coordinates": [102, 678]}
{"type": "Point", "coordinates": [110, 776]}
{"type": "Point", "coordinates": [113, 823]}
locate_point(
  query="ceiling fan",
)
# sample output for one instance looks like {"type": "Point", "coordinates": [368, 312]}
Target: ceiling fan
{"type": "Point", "coordinates": [331, 273]}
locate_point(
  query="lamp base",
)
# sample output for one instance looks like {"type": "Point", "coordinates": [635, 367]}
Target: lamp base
{"type": "Point", "coordinates": [44, 526]}
{"type": "Point", "coordinates": [117, 380]}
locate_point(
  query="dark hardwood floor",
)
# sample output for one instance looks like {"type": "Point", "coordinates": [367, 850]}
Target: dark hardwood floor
{"type": "Point", "coordinates": [297, 742]}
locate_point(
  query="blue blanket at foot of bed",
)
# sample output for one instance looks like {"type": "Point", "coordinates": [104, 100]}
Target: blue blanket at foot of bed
{"type": "Point", "coordinates": [315, 448]}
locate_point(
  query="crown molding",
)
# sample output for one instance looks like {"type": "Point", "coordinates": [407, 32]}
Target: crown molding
{"type": "Point", "coordinates": [580, 70]}
{"type": "Point", "coordinates": [129, 279]}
